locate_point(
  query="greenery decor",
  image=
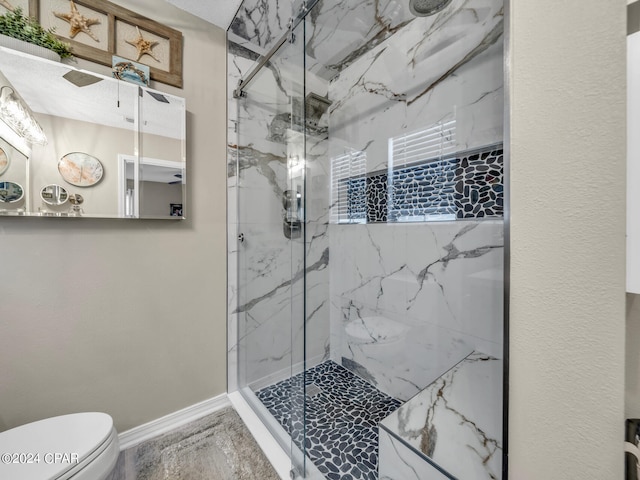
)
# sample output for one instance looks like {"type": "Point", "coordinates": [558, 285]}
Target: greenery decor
{"type": "Point", "coordinates": [15, 24]}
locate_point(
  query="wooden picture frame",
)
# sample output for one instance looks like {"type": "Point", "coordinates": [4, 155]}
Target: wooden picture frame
{"type": "Point", "coordinates": [32, 8]}
{"type": "Point", "coordinates": [119, 16]}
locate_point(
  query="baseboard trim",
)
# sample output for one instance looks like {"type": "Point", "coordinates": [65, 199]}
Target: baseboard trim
{"type": "Point", "coordinates": [162, 425]}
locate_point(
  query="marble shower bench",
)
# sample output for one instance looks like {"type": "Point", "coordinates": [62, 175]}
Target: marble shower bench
{"type": "Point", "coordinates": [450, 430]}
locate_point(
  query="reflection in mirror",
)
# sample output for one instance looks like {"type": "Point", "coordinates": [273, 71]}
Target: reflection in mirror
{"type": "Point", "coordinates": [4, 161]}
{"type": "Point", "coordinates": [80, 169]}
{"type": "Point", "coordinates": [10, 192]}
{"type": "Point", "coordinates": [76, 200]}
{"type": "Point", "coordinates": [54, 195]}
{"type": "Point", "coordinates": [151, 188]}
{"type": "Point", "coordinates": [91, 122]}
{"type": "Point", "coordinates": [13, 170]}
{"type": "Point", "coordinates": [162, 167]}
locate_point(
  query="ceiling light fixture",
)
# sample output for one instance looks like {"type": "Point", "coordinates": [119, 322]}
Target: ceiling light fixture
{"type": "Point", "coordinates": [18, 116]}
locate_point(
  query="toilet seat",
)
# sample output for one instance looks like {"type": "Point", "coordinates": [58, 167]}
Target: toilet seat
{"type": "Point", "coordinates": [77, 445]}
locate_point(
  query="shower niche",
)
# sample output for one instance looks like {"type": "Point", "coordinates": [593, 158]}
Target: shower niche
{"type": "Point", "coordinates": [370, 341]}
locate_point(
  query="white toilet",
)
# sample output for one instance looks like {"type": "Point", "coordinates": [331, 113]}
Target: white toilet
{"type": "Point", "coordinates": [80, 446]}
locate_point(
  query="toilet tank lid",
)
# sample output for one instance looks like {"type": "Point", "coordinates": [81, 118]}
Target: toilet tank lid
{"type": "Point", "coordinates": [76, 436]}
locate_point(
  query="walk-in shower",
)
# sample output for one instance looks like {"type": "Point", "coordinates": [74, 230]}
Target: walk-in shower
{"type": "Point", "coordinates": [366, 248]}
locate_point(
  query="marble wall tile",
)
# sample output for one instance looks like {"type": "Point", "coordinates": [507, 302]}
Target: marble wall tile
{"type": "Point", "coordinates": [435, 69]}
{"type": "Point", "coordinates": [398, 462]}
{"type": "Point", "coordinates": [456, 422]}
{"type": "Point", "coordinates": [410, 300]}
{"type": "Point", "coordinates": [262, 22]}
{"type": "Point", "coordinates": [386, 74]}
{"type": "Point", "coordinates": [397, 356]}
{"type": "Point", "coordinates": [268, 313]}
{"type": "Point", "coordinates": [338, 33]}
{"type": "Point", "coordinates": [436, 285]}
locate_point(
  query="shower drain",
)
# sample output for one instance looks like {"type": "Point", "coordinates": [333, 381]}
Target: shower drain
{"type": "Point", "coordinates": [312, 390]}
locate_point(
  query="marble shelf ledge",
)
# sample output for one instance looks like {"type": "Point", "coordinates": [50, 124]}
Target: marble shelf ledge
{"type": "Point", "coordinates": [455, 424]}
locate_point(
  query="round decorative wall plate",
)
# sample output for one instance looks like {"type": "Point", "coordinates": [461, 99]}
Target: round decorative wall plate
{"type": "Point", "coordinates": [11, 192]}
{"type": "Point", "coordinates": [4, 161]}
{"type": "Point", "coordinates": [80, 169]}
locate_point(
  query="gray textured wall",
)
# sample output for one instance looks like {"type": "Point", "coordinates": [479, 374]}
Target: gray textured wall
{"type": "Point", "coordinates": [126, 317]}
{"type": "Point", "coordinates": [568, 147]}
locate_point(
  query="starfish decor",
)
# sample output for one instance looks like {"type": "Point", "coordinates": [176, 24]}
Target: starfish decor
{"type": "Point", "coordinates": [78, 22]}
{"type": "Point", "coordinates": [143, 46]}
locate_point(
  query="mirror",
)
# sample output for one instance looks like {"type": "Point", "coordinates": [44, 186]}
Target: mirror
{"type": "Point", "coordinates": [108, 143]}
{"type": "Point", "coordinates": [11, 192]}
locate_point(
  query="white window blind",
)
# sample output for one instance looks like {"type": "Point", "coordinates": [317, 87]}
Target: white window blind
{"type": "Point", "coordinates": [421, 174]}
{"type": "Point", "coordinates": [433, 142]}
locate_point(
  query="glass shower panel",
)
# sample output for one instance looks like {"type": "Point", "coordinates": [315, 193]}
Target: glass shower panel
{"type": "Point", "coordinates": [370, 291]}
{"type": "Point", "coordinates": [405, 190]}
{"type": "Point", "coordinates": [271, 183]}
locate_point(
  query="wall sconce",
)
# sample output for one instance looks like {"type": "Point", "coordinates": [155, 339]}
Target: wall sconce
{"type": "Point", "coordinates": [19, 117]}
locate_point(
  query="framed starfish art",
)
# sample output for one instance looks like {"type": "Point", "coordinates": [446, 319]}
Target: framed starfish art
{"type": "Point", "coordinates": [98, 29]}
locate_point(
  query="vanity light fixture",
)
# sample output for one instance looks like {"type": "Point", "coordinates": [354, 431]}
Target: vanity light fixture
{"type": "Point", "coordinates": [18, 116]}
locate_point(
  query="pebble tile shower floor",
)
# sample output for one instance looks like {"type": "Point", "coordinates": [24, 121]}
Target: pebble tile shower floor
{"type": "Point", "coordinates": [342, 419]}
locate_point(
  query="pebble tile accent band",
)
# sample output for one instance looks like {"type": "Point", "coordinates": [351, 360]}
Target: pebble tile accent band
{"type": "Point", "coordinates": [467, 186]}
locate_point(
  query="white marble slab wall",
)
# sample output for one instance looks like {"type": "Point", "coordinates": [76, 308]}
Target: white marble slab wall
{"type": "Point", "coordinates": [338, 32]}
{"type": "Point", "coordinates": [262, 22]}
{"type": "Point", "coordinates": [455, 423]}
{"type": "Point", "coordinates": [239, 61]}
{"type": "Point", "coordinates": [397, 461]}
{"type": "Point", "coordinates": [411, 300]}
{"type": "Point", "coordinates": [266, 319]}
{"type": "Point", "coordinates": [448, 67]}
{"type": "Point", "coordinates": [398, 74]}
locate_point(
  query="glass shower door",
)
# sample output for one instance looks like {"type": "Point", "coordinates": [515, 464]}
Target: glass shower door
{"type": "Point", "coordinates": [271, 260]}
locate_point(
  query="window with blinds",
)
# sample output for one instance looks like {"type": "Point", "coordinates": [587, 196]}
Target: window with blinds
{"type": "Point", "coordinates": [436, 141]}
{"type": "Point", "coordinates": [427, 180]}
{"type": "Point", "coordinates": [421, 174]}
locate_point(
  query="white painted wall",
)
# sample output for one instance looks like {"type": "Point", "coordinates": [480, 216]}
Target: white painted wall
{"type": "Point", "coordinates": [567, 89]}
{"type": "Point", "coordinates": [126, 317]}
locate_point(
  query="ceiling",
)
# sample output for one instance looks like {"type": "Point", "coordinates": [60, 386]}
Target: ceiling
{"type": "Point", "coordinates": [42, 86]}
{"type": "Point", "coordinates": [218, 12]}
